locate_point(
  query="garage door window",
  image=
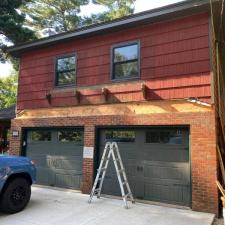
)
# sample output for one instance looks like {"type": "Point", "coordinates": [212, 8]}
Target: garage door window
{"type": "Point", "coordinates": [70, 136]}
{"type": "Point", "coordinates": [164, 137]}
{"type": "Point", "coordinates": [120, 136]}
{"type": "Point", "coordinates": [40, 136]}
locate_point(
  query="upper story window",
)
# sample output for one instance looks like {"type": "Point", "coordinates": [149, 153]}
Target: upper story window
{"type": "Point", "coordinates": [125, 59]}
{"type": "Point", "coordinates": [65, 71]}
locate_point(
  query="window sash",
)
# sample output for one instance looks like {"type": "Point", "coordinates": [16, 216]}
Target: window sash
{"type": "Point", "coordinates": [70, 136]}
{"type": "Point", "coordinates": [40, 136]}
{"type": "Point", "coordinates": [59, 72]}
{"type": "Point", "coordinates": [125, 76]}
{"type": "Point", "coordinates": [114, 64]}
{"type": "Point", "coordinates": [124, 46]}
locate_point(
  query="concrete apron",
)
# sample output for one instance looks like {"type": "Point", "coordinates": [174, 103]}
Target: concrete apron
{"type": "Point", "coordinates": [65, 207]}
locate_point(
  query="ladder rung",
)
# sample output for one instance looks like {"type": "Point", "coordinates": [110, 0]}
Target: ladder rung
{"type": "Point", "coordinates": [125, 182]}
{"type": "Point", "coordinates": [96, 190]}
{"type": "Point", "coordinates": [117, 159]}
{"type": "Point", "coordinates": [120, 171]}
{"type": "Point", "coordinates": [128, 194]}
{"type": "Point", "coordinates": [102, 169]}
{"type": "Point", "coordinates": [107, 158]}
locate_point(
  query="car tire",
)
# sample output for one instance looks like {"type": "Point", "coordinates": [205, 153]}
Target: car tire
{"type": "Point", "coordinates": [16, 195]}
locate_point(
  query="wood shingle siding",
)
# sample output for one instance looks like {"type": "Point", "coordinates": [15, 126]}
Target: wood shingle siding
{"type": "Point", "coordinates": [175, 63]}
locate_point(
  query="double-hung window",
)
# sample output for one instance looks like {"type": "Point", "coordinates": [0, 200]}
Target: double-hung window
{"type": "Point", "coordinates": [65, 71]}
{"type": "Point", "coordinates": [125, 61]}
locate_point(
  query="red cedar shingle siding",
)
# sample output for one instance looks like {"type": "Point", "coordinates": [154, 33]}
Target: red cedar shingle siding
{"type": "Point", "coordinates": [175, 63]}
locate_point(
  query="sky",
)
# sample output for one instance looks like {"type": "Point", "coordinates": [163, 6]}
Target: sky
{"type": "Point", "coordinates": [140, 5]}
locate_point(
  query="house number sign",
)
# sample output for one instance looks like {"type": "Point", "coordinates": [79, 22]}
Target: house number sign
{"type": "Point", "coordinates": [15, 133]}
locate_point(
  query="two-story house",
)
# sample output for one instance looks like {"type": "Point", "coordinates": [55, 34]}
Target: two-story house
{"type": "Point", "coordinates": [144, 81]}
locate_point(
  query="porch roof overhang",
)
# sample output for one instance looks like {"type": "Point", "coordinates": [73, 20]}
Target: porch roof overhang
{"type": "Point", "coordinates": [7, 114]}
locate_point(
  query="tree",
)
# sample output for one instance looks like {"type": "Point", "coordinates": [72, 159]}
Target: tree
{"type": "Point", "coordinates": [115, 9]}
{"type": "Point", "coordinates": [51, 16]}
{"type": "Point", "coordinates": [12, 29]}
{"type": "Point", "coordinates": [8, 90]}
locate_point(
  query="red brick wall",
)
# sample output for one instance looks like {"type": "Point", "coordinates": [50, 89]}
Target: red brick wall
{"type": "Point", "coordinates": [202, 146]}
{"type": "Point", "coordinates": [175, 63]}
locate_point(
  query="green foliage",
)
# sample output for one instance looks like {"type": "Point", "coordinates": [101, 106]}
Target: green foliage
{"type": "Point", "coordinates": [11, 25]}
{"type": "Point", "coordinates": [8, 90]}
{"type": "Point", "coordinates": [51, 17]}
{"type": "Point", "coordinates": [54, 16]}
{"type": "Point", "coordinates": [115, 9]}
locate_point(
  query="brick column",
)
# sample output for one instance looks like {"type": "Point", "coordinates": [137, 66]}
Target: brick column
{"type": "Point", "coordinates": [14, 142]}
{"type": "Point", "coordinates": [88, 163]}
{"type": "Point", "coordinates": [204, 165]}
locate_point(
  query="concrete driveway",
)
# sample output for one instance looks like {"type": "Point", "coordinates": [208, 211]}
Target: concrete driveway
{"type": "Point", "coordinates": [60, 207]}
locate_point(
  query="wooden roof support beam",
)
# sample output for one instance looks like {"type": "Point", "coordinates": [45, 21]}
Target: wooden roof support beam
{"type": "Point", "coordinates": [49, 98]}
{"type": "Point", "coordinates": [105, 93]}
{"type": "Point", "coordinates": [144, 90]}
{"type": "Point", "coordinates": [77, 95]}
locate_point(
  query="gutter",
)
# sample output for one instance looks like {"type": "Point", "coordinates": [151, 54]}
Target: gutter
{"type": "Point", "coordinates": [183, 8]}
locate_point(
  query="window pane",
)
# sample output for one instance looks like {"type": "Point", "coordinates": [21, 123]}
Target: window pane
{"type": "Point", "coordinates": [164, 137]}
{"type": "Point", "coordinates": [175, 137]}
{"type": "Point", "coordinates": [65, 64]}
{"type": "Point", "coordinates": [66, 71]}
{"type": "Point", "coordinates": [66, 136]}
{"type": "Point", "coordinates": [41, 136]}
{"type": "Point", "coordinates": [65, 78]}
{"type": "Point", "coordinates": [120, 136]}
{"type": "Point", "coordinates": [126, 53]}
{"type": "Point", "coordinates": [125, 70]}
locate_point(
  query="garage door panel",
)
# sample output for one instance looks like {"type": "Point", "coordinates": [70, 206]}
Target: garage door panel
{"type": "Point", "coordinates": [45, 176]}
{"type": "Point", "coordinates": [111, 186]}
{"type": "Point", "coordinates": [130, 170]}
{"type": "Point", "coordinates": [42, 149]}
{"type": "Point", "coordinates": [65, 163]}
{"type": "Point", "coordinates": [164, 172]}
{"type": "Point", "coordinates": [155, 171]}
{"type": "Point", "coordinates": [164, 193]}
{"type": "Point", "coordinates": [59, 162]}
{"type": "Point", "coordinates": [71, 149]}
{"type": "Point", "coordinates": [69, 164]}
{"type": "Point", "coordinates": [126, 152]}
{"type": "Point", "coordinates": [67, 180]}
{"type": "Point", "coordinates": [159, 154]}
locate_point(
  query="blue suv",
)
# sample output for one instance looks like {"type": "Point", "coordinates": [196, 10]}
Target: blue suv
{"type": "Point", "coordinates": [17, 174]}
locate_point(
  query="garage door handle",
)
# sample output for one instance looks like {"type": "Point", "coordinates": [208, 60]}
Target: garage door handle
{"type": "Point", "coordinates": [139, 168]}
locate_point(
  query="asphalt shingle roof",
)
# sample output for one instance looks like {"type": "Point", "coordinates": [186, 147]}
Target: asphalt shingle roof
{"type": "Point", "coordinates": [8, 113]}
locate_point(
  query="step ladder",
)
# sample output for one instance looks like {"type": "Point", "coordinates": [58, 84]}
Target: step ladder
{"type": "Point", "coordinates": [111, 149]}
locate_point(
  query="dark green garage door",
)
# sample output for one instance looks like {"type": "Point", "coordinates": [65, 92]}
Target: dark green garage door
{"type": "Point", "coordinates": [58, 155]}
{"type": "Point", "coordinates": [156, 161]}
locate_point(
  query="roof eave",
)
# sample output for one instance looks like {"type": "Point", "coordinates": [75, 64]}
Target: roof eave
{"type": "Point", "coordinates": [164, 13]}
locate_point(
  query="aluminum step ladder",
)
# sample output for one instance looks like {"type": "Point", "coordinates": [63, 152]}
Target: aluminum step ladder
{"type": "Point", "coordinates": [111, 149]}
